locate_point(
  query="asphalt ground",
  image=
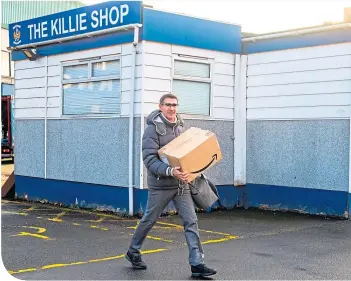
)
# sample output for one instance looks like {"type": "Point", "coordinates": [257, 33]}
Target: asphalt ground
{"type": "Point", "coordinates": [45, 242]}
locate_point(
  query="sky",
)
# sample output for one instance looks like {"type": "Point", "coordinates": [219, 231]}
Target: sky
{"type": "Point", "coordinates": [257, 16]}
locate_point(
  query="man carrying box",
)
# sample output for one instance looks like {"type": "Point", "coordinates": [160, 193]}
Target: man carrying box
{"type": "Point", "coordinates": [165, 184]}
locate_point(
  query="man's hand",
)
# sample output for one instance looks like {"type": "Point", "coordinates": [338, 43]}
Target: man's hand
{"type": "Point", "coordinates": [183, 176]}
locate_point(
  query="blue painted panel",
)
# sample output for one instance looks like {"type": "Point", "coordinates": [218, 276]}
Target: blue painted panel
{"type": "Point", "coordinates": [88, 195]}
{"type": "Point", "coordinates": [349, 205]}
{"type": "Point", "coordinates": [192, 32]}
{"type": "Point", "coordinates": [307, 40]}
{"type": "Point", "coordinates": [282, 198]}
{"type": "Point", "coordinates": [7, 89]}
{"type": "Point", "coordinates": [303, 200]}
{"type": "Point", "coordinates": [140, 200]}
{"type": "Point", "coordinates": [84, 20]}
{"type": "Point", "coordinates": [81, 45]}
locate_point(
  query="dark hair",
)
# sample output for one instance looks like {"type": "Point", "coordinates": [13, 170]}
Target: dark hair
{"type": "Point", "coordinates": [167, 96]}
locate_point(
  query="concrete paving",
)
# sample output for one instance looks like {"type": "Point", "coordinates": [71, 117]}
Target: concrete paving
{"type": "Point", "coordinates": [43, 242]}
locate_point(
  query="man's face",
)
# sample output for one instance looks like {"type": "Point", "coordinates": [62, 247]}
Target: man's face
{"type": "Point", "coordinates": [169, 108]}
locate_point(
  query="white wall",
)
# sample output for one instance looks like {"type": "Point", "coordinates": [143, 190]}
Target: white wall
{"type": "Point", "coordinates": [30, 81]}
{"type": "Point", "coordinates": [5, 55]}
{"type": "Point", "coordinates": [157, 78]}
{"type": "Point", "coordinates": [154, 60]}
{"type": "Point", "coordinates": [304, 83]}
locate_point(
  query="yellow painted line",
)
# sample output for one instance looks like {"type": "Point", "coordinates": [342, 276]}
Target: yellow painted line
{"type": "Point", "coordinates": [68, 210]}
{"type": "Point", "coordinates": [76, 224]}
{"type": "Point", "coordinates": [108, 258]}
{"type": "Point", "coordinates": [161, 227]}
{"type": "Point", "coordinates": [220, 240]}
{"type": "Point", "coordinates": [215, 232]}
{"type": "Point", "coordinates": [33, 235]}
{"type": "Point", "coordinates": [145, 252]}
{"type": "Point", "coordinates": [104, 228]}
{"type": "Point", "coordinates": [122, 220]}
{"type": "Point", "coordinates": [78, 263]}
{"type": "Point", "coordinates": [29, 209]}
{"type": "Point", "coordinates": [58, 216]}
{"type": "Point", "coordinates": [15, 213]}
{"type": "Point", "coordinates": [94, 226]}
{"type": "Point", "coordinates": [39, 229]}
{"type": "Point", "coordinates": [153, 251]}
{"type": "Point", "coordinates": [158, 238]}
{"type": "Point", "coordinates": [55, 265]}
{"type": "Point", "coordinates": [26, 270]}
{"type": "Point", "coordinates": [170, 224]}
{"type": "Point", "coordinates": [132, 227]}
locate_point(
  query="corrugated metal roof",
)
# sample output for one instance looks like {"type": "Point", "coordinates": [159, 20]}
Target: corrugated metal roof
{"type": "Point", "coordinates": [14, 11]}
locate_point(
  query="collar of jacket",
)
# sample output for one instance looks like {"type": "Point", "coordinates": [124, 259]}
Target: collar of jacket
{"type": "Point", "coordinates": [161, 123]}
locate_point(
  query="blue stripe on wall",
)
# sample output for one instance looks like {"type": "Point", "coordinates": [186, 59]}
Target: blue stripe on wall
{"type": "Point", "coordinates": [302, 200]}
{"type": "Point", "coordinates": [192, 32]}
{"type": "Point", "coordinates": [7, 89]}
{"type": "Point", "coordinates": [65, 192]}
{"type": "Point", "coordinates": [81, 45]}
{"type": "Point", "coordinates": [307, 40]}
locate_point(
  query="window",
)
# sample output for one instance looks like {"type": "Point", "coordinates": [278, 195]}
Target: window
{"type": "Point", "coordinates": [192, 86]}
{"type": "Point", "coordinates": [91, 87]}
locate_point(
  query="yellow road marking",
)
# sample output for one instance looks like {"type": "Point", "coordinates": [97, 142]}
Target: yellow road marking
{"type": "Point", "coordinates": [39, 229]}
{"type": "Point", "coordinates": [76, 223]}
{"type": "Point", "coordinates": [215, 232]}
{"type": "Point", "coordinates": [54, 265]}
{"type": "Point", "coordinates": [132, 227]}
{"type": "Point", "coordinates": [162, 227]}
{"type": "Point", "coordinates": [57, 218]}
{"type": "Point", "coordinates": [78, 263]}
{"type": "Point", "coordinates": [159, 239]}
{"type": "Point", "coordinates": [29, 209]}
{"type": "Point", "coordinates": [220, 240]}
{"type": "Point", "coordinates": [65, 209]}
{"type": "Point", "coordinates": [156, 238]}
{"type": "Point", "coordinates": [37, 235]}
{"type": "Point", "coordinates": [26, 270]}
{"type": "Point", "coordinates": [170, 224]}
{"type": "Point", "coordinates": [33, 235]}
{"type": "Point", "coordinates": [108, 258]}
{"type": "Point", "coordinates": [15, 213]}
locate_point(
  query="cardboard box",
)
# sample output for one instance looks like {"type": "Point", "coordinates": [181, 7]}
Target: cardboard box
{"type": "Point", "coordinates": [195, 150]}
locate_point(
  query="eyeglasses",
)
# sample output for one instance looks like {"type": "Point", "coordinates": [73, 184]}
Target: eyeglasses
{"type": "Point", "coordinates": [170, 104]}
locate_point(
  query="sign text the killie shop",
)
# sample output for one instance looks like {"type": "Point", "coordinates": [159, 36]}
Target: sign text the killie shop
{"type": "Point", "coordinates": [83, 20]}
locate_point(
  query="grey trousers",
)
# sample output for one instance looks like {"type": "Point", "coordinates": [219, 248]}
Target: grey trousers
{"type": "Point", "coordinates": [157, 201]}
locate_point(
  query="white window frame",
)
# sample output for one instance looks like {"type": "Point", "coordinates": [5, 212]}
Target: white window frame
{"type": "Point", "coordinates": [210, 62]}
{"type": "Point", "coordinates": [90, 62]}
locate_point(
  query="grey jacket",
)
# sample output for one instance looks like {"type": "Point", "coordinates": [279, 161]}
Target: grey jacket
{"type": "Point", "coordinates": [159, 132]}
